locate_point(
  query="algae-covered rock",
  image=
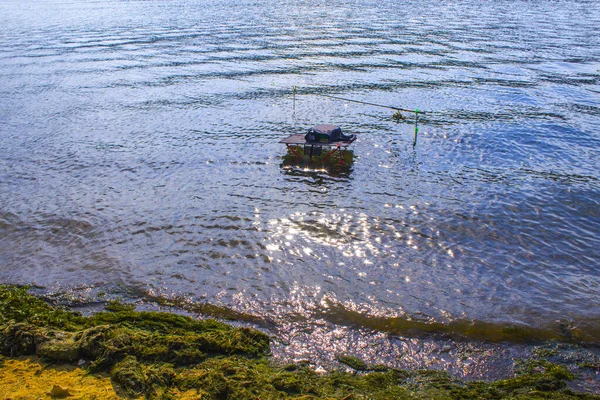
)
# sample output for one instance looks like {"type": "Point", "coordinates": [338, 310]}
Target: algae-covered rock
{"type": "Point", "coordinates": [30, 327]}
{"type": "Point", "coordinates": [22, 339]}
{"type": "Point", "coordinates": [230, 378]}
{"type": "Point", "coordinates": [58, 346]}
{"type": "Point", "coordinates": [17, 339]}
{"type": "Point", "coordinates": [130, 376]}
{"type": "Point", "coordinates": [59, 392]}
{"type": "Point", "coordinates": [92, 341]}
{"type": "Point", "coordinates": [108, 345]}
{"type": "Point", "coordinates": [211, 336]}
{"type": "Point", "coordinates": [163, 356]}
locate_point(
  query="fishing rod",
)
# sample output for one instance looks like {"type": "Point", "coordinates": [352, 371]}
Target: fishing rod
{"type": "Point", "coordinates": [366, 103]}
{"type": "Point", "coordinates": [397, 115]}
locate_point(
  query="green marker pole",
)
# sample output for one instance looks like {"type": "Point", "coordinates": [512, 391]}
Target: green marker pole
{"type": "Point", "coordinates": [416, 126]}
{"type": "Point", "coordinates": [294, 103]}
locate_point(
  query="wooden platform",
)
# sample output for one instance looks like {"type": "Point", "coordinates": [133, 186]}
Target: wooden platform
{"type": "Point", "coordinates": [299, 140]}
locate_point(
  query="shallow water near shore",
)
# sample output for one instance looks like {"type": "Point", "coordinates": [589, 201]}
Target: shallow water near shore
{"type": "Point", "coordinates": [141, 160]}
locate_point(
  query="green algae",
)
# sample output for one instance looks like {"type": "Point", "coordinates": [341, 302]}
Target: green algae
{"type": "Point", "coordinates": [160, 355]}
{"type": "Point", "coordinates": [16, 305]}
{"type": "Point", "coordinates": [30, 326]}
{"type": "Point", "coordinates": [477, 330]}
{"type": "Point", "coordinates": [117, 305]}
{"type": "Point", "coordinates": [136, 379]}
{"type": "Point", "coordinates": [353, 362]}
{"type": "Point", "coordinates": [239, 378]}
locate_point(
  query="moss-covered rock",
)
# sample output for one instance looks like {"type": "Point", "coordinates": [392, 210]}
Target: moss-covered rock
{"type": "Point", "coordinates": [57, 345]}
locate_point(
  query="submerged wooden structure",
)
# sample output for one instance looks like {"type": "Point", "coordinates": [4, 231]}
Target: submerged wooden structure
{"type": "Point", "coordinates": [301, 148]}
{"type": "Point", "coordinates": [321, 142]}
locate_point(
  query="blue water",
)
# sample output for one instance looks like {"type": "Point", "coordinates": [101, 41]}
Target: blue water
{"type": "Point", "coordinates": [140, 159]}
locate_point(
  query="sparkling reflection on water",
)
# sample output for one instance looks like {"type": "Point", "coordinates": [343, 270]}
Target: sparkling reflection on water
{"type": "Point", "coordinates": [140, 159]}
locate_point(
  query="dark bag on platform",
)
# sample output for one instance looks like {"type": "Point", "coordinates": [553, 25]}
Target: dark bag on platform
{"type": "Point", "coordinates": [327, 133]}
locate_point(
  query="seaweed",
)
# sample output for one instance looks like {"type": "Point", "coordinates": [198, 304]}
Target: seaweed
{"type": "Point", "coordinates": [29, 326]}
{"type": "Point", "coordinates": [353, 362]}
{"type": "Point", "coordinates": [167, 356]}
{"type": "Point", "coordinates": [18, 306]}
{"type": "Point", "coordinates": [151, 381]}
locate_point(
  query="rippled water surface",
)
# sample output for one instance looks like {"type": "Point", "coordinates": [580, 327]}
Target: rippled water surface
{"type": "Point", "coordinates": [140, 159]}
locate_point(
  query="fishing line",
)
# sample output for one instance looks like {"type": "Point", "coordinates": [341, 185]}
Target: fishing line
{"type": "Point", "coordinates": [396, 117]}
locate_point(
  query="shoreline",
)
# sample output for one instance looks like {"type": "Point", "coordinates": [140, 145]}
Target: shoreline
{"type": "Point", "coordinates": [163, 355]}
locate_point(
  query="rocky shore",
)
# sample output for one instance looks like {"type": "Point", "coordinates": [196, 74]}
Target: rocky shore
{"type": "Point", "coordinates": [123, 353]}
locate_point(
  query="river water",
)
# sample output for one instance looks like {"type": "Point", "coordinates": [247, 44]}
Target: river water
{"type": "Point", "coordinates": [140, 160]}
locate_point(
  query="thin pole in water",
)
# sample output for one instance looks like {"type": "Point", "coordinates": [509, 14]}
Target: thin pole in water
{"type": "Point", "coordinates": [416, 126]}
{"type": "Point", "coordinates": [294, 103]}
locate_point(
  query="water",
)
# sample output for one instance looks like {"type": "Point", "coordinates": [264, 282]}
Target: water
{"type": "Point", "coordinates": [140, 159]}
